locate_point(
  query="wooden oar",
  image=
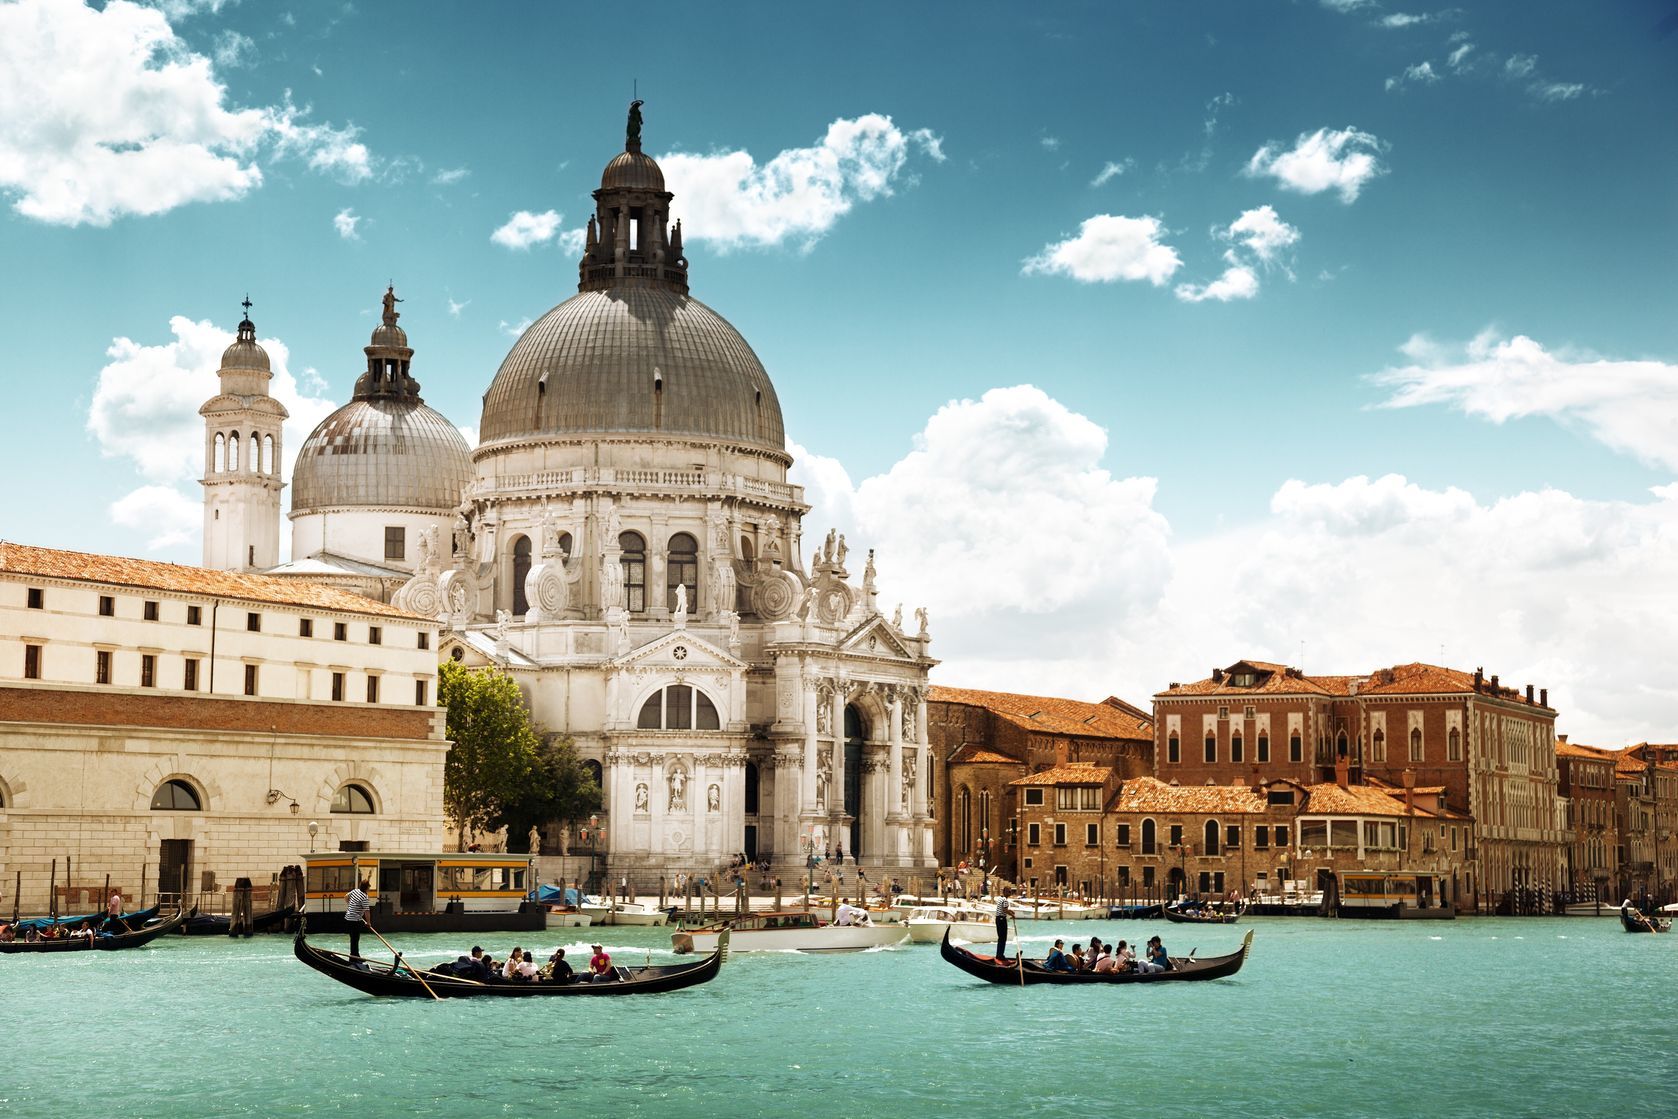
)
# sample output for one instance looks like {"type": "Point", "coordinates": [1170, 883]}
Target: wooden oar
{"type": "Point", "coordinates": [398, 956]}
{"type": "Point", "coordinates": [1019, 952]}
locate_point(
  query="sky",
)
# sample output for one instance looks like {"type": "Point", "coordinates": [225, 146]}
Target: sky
{"type": "Point", "coordinates": [1136, 338]}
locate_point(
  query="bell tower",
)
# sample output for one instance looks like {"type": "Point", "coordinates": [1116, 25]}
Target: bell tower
{"type": "Point", "coordinates": [242, 430]}
{"type": "Point", "coordinates": [630, 238]}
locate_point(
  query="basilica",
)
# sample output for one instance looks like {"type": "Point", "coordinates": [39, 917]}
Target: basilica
{"type": "Point", "coordinates": [624, 542]}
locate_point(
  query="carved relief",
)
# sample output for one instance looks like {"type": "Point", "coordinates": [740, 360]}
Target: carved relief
{"type": "Point", "coordinates": [908, 780]}
{"type": "Point", "coordinates": [824, 778]}
{"type": "Point", "coordinates": [641, 798]}
{"type": "Point", "coordinates": [678, 780]}
{"type": "Point", "coordinates": [713, 799]}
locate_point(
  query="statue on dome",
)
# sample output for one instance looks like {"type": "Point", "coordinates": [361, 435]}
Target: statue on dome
{"type": "Point", "coordinates": [391, 314]}
{"type": "Point", "coordinates": [632, 136]}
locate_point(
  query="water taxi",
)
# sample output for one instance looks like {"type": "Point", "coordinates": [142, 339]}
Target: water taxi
{"type": "Point", "coordinates": [609, 911]}
{"type": "Point", "coordinates": [928, 923]}
{"type": "Point", "coordinates": [794, 931]}
{"type": "Point", "coordinates": [464, 891]}
{"type": "Point", "coordinates": [1403, 895]}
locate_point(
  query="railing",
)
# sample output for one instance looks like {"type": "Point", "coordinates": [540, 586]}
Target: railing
{"type": "Point", "coordinates": [594, 477]}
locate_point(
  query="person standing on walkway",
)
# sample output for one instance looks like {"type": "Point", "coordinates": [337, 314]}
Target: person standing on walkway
{"type": "Point", "coordinates": [1002, 908]}
{"type": "Point", "coordinates": [355, 915]}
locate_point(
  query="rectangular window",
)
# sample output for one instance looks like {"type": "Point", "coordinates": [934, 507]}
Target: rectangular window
{"type": "Point", "coordinates": [1092, 835]}
{"type": "Point", "coordinates": [189, 680]}
{"type": "Point", "coordinates": [1060, 835]}
{"type": "Point", "coordinates": [340, 631]}
{"type": "Point", "coordinates": [194, 615]}
{"type": "Point", "coordinates": [1205, 881]}
{"type": "Point", "coordinates": [1124, 875]}
{"type": "Point", "coordinates": [1263, 747]}
{"type": "Point", "coordinates": [107, 606]}
{"type": "Point", "coordinates": [1147, 876]}
{"type": "Point", "coordinates": [1261, 837]}
{"type": "Point", "coordinates": [1034, 798]}
{"type": "Point", "coordinates": [395, 542]}
{"type": "Point", "coordinates": [253, 622]}
{"type": "Point", "coordinates": [1236, 751]}
{"type": "Point", "coordinates": [102, 666]}
{"type": "Point", "coordinates": [1279, 796]}
{"type": "Point", "coordinates": [425, 640]}
{"type": "Point", "coordinates": [1123, 839]}
{"type": "Point", "coordinates": [1296, 748]}
{"type": "Point", "coordinates": [31, 662]}
{"type": "Point", "coordinates": [148, 670]}
{"type": "Point", "coordinates": [1173, 750]}
{"type": "Point", "coordinates": [1211, 748]}
{"type": "Point", "coordinates": [1176, 835]}
{"type": "Point", "coordinates": [1281, 836]}
{"type": "Point", "coordinates": [419, 693]}
{"type": "Point", "coordinates": [305, 627]}
{"type": "Point", "coordinates": [37, 598]}
{"type": "Point", "coordinates": [1232, 837]}
{"type": "Point", "coordinates": [250, 679]}
{"type": "Point", "coordinates": [372, 689]}
{"type": "Point", "coordinates": [338, 687]}
{"type": "Point", "coordinates": [150, 610]}
{"type": "Point", "coordinates": [375, 635]}
{"type": "Point", "coordinates": [1033, 835]}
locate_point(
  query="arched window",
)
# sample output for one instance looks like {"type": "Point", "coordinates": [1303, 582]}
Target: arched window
{"type": "Point", "coordinates": [176, 796]}
{"type": "Point", "coordinates": [268, 466]}
{"type": "Point", "coordinates": [1378, 745]}
{"type": "Point", "coordinates": [678, 707]}
{"type": "Point", "coordinates": [1211, 836]}
{"type": "Point", "coordinates": [255, 452]}
{"type": "Point", "coordinates": [1211, 747]}
{"type": "Point", "coordinates": [1415, 744]}
{"type": "Point", "coordinates": [595, 772]}
{"type": "Point", "coordinates": [1148, 837]}
{"type": "Point", "coordinates": [682, 570]}
{"type": "Point", "coordinates": [1296, 748]}
{"type": "Point", "coordinates": [1264, 746]}
{"type": "Point", "coordinates": [1173, 749]}
{"type": "Point", "coordinates": [964, 815]}
{"type": "Point", "coordinates": [565, 544]}
{"type": "Point", "coordinates": [751, 789]}
{"type": "Point", "coordinates": [1236, 753]}
{"type": "Point", "coordinates": [356, 800]}
{"type": "Point", "coordinates": [1340, 745]}
{"type": "Point", "coordinates": [1453, 745]}
{"type": "Point", "coordinates": [233, 452]}
{"type": "Point", "coordinates": [634, 561]}
{"type": "Point", "coordinates": [221, 453]}
{"type": "Point", "coordinates": [521, 568]}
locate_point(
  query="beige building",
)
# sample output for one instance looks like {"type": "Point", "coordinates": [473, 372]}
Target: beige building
{"type": "Point", "coordinates": [176, 727]}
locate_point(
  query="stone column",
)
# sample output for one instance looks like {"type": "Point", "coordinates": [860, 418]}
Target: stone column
{"type": "Point", "coordinates": [836, 795]}
{"type": "Point", "coordinates": [808, 784]}
{"type": "Point", "coordinates": [923, 767]}
{"type": "Point", "coordinates": [897, 836]}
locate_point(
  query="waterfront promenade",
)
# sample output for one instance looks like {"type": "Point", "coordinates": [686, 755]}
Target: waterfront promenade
{"type": "Point", "coordinates": [1481, 1016]}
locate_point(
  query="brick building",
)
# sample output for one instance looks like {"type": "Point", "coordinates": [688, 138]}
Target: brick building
{"type": "Point", "coordinates": [176, 727]}
{"type": "Point", "coordinates": [1646, 819]}
{"type": "Point", "coordinates": [1586, 783]}
{"type": "Point", "coordinates": [1489, 749]}
{"type": "Point", "coordinates": [985, 741]}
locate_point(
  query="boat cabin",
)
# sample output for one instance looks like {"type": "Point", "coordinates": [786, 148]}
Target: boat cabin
{"type": "Point", "coordinates": [417, 890]}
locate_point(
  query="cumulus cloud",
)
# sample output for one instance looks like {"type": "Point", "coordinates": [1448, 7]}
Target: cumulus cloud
{"type": "Point", "coordinates": [573, 241]}
{"type": "Point", "coordinates": [1110, 247]}
{"type": "Point", "coordinates": [731, 201]}
{"type": "Point", "coordinates": [1422, 73]}
{"type": "Point", "coordinates": [1342, 160]}
{"type": "Point", "coordinates": [1259, 238]}
{"type": "Point", "coordinates": [108, 114]}
{"type": "Point", "coordinates": [524, 229]}
{"type": "Point", "coordinates": [345, 222]}
{"type": "Point", "coordinates": [1237, 282]}
{"type": "Point", "coordinates": [1111, 170]}
{"type": "Point", "coordinates": [166, 516]}
{"type": "Point", "coordinates": [1628, 405]}
{"type": "Point", "coordinates": [1263, 233]}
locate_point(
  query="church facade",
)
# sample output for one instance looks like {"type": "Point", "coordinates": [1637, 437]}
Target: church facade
{"type": "Point", "coordinates": [624, 542]}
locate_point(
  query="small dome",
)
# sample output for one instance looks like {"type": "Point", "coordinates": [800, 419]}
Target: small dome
{"type": "Point", "coordinates": [244, 353]}
{"type": "Point", "coordinates": [632, 171]}
{"type": "Point", "coordinates": [388, 452]}
{"type": "Point", "coordinates": [390, 336]}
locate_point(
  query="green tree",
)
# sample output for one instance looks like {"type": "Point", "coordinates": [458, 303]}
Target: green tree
{"type": "Point", "coordinates": [558, 787]}
{"type": "Point", "coordinates": [495, 748]}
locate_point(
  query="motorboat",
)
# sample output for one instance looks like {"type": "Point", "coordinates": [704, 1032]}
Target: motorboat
{"type": "Point", "coordinates": [928, 923]}
{"type": "Point", "coordinates": [566, 917]}
{"type": "Point", "coordinates": [606, 911]}
{"type": "Point", "coordinates": [790, 931]}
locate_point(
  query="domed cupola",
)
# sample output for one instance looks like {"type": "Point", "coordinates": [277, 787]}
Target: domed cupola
{"type": "Point", "coordinates": [244, 353]}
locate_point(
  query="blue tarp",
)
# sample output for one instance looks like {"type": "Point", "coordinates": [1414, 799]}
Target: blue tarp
{"type": "Point", "coordinates": [557, 895]}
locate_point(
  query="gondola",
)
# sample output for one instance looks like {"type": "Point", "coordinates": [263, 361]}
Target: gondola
{"type": "Point", "coordinates": [132, 920]}
{"type": "Point", "coordinates": [116, 942]}
{"type": "Point", "coordinates": [398, 980]}
{"type": "Point", "coordinates": [1014, 973]}
{"type": "Point", "coordinates": [1205, 916]}
{"type": "Point", "coordinates": [1634, 921]}
{"type": "Point", "coordinates": [220, 924]}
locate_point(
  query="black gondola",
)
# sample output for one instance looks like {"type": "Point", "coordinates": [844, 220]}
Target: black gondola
{"type": "Point", "coordinates": [1013, 973]}
{"type": "Point", "coordinates": [220, 924]}
{"type": "Point", "coordinates": [398, 979]}
{"type": "Point", "coordinates": [1633, 921]}
{"type": "Point", "coordinates": [1205, 916]}
{"type": "Point", "coordinates": [114, 943]}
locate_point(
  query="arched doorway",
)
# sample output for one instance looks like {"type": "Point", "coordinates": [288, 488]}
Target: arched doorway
{"type": "Point", "coordinates": [855, 735]}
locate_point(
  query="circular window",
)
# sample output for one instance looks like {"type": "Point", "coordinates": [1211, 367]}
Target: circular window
{"type": "Point", "coordinates": [457, 653]}
{"type": "Point", "coordinates": [680, 652]}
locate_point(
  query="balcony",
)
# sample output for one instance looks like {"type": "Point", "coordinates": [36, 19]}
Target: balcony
{"type": "Point", "coordinates": [579, 479]}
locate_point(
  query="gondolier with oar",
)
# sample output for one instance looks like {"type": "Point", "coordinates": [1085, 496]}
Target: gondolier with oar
{"type": "Point", "coordinates": [1002, 908]}
{"type": "Point", "coordinates": [355, 915]}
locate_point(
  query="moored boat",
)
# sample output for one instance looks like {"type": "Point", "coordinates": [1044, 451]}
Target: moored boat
{"type": "Point", "coordinates": [398, 979]}
{"type": "Point", "coordinates": [112, 943]}
{"type": "Point", "coordinates": [1023, 972]}
{"type": "Point", "coordinates": [606, 911]}
{"type": "Point", "coordinates": [929, 923]}
{"type": "Point", "coordinates": [220, 924]}
{"type": "Point", "coordinates": [133, 920]}
{"type": "Point", "coordinates": [795, 931]}
{"type": "Point", "coordinates": [566, 917]}
{"type": "Point", "coordinates": [1213, 914]}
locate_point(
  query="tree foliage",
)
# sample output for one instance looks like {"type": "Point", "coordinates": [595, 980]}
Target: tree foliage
{"type": "Point", "coordinates": [495, 748]}
{"type": "Point", "coordinates": [558, 787]}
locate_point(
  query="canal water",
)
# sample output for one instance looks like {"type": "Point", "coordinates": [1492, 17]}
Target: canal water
{"type": "Point", "coordinates": [1476, 1017]}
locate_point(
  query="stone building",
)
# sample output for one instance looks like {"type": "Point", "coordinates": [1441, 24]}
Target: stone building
{"type": "Point", "coordinates": [1646, 820]}
{"type": "Point", "coordinates": [1585, 781]}
{"type": "Point", "coordinates": [986, 741]}
{"type": "Point", "coordinates": [1489, 748]}
{"type": "Point", "coordinates": [242, 455]}
{"type": "Point", "coordinates": [177, 727]}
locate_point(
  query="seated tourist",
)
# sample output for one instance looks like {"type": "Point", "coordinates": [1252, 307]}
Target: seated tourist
{"type": "Point", "coordinates": [7, 932]}
{"type": "Point", "coordinates": [84, 931]}
{"type": "Point", "coordinates": [1124, 959]}
{"type": "Point", "coordinates": [526, 972]}
{"type": "Point", "coordinates": [1153, 960]}
{"type": "Point", "coordinates": [1076, 958]}
{"type": "Point", "coordinates": [1095, 950]}
{"type": "Point", "coordinates": [557, 970]}
{"type": "Point", "coordinates": [1106, 963]}
{"type": "Point", "coordinates": [1056, 959]}
{"type": "Point", "coordinates": [600, 966]}
{"type": "Point", "coordinates": [510, 969]}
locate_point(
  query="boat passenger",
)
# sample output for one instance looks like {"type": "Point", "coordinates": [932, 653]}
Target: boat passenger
{"type": "Point", "coordinates": [1056, 959]}
{"type": "Point", "coordinates": [600, 966]}
{"type": "Point", "coordinates": [849, 914]}
{"type": "Point", "coordinates": [1157, 959]}
{"type": "Point", "coordinates": [1095, 951]}
{"type": "Point", "coordinates": [1107, 963]}
{"type": "Point", "coordinates": [8, 932]}
{"type": "Point", "coordinates": [510, 969]}
{"type": "Point", "coordinates": [83, 931]}
{"type": "Point", "coordinates": [1076, 958]}
{"type": "Point", "coordinates": [557, 970]}
{"type": "Point", "coordinates": [1125, 958]}
{"type": "Point", "coordinates": [527, 971]}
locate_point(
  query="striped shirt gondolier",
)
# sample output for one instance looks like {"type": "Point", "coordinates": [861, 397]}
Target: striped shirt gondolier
{"type": "Point", "coordinates": [355, 906]}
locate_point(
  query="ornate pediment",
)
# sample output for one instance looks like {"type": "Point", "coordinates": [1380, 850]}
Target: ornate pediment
{"type": "Point", "coordinates": [678, 651]}
{"type": "Point", "coordinates": [876, 638]}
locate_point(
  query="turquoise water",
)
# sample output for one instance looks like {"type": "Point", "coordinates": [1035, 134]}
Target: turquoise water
{"type": "Point", "coordinates": [1542, 1017]}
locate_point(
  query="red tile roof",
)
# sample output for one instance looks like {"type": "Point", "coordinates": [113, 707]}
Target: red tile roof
{"type": "Point", "coordinates": [87, 567]}
{"type": "Point", "coordinates": [978, 755]}
{"type": "Point", "coordinates": [1415, 678]}
{"type": "Point", "coordinates": [1149, 794]}
{"type": "Point", "coordinates": [1073, 773]}
{"type": "Point", "coordinates": [1053, 716]}
{"type": "Point", "coordinates": [1580, 750]}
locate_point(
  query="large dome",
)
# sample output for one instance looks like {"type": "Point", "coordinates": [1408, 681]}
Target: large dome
{"type": "Point", "coordinates": [389, 452]}
{"type": "Point", "coordinates": [629, 358]}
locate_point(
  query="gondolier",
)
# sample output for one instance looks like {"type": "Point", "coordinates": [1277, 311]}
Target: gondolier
{"type": "Point", "coordinates": [1002, 908]}
{"type": "Point", "coordinates": [355, 915]}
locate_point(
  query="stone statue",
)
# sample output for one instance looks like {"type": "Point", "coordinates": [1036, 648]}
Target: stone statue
{"type": "Point", "coordinates": [713, 799]}
{"type": "Point", "coordinates": [908, 780]}
{"type": "Point", "coordinates": [920, 616]}
{"type": "Point", "coordinates": [829, 544]}
{"type": "Point", "coordinates": [503, 619]}
{"type": "Point", "coordinates": [733, 631]}
{"type": "Point", "coordinates": [897, 618]}
{"type": "Point", "coordinates": [427, 547]}
{"type": "Point", "coordinates": [614, 526]}
{"type": "Point", "coordinates": [680, 618]}
{"type": "Point", "coordinates": [678, 790]}
{"type": "Point", "coordinates": [535, 840]}
{"type": "Point", "coordinates": [462, 536]}
{"type": "Point", "coordinates": [564, 840]}
{"type": "Point", "coordinates": [632, 136]}
{"type": "Point", "coordinates": [824, 715]}
{"type": "Point", "coordinates": [868, 572]}
{"type": "Point", "coordinates": [391, 301]}
{"type": "Point", "coordinates": [824, 778]}
{"type": "Point", "coordinates": [840, 551]}
{"type": "Point", "coordinates": [641, 797]}
{"type": "Point", "coordinates": [907, 711]}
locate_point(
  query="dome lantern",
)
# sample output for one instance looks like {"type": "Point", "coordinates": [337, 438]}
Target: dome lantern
{"type": "Point", "coordinates": [389, 358]}
{"type": "Point", "coordinates": [629, 240]}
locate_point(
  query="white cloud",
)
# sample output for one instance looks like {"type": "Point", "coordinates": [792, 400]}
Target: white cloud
{"type": "Point", "coordinates": [470, 434]}
{"type": "Point", "coordinates": [345, 222]}
{"type": "Point", "coordinates": [1258, 238]}
{"type": "Point", "coordinates": [232, 49]}
{"type": "Point", "coordinates": [524, 229]}
{"type": "Point", "coordinates": [573, 241]}
{"type": "Point", "coordinates": [1110, 247]}
{"type": "Point", "coordinates": [1556, 91]}
{"type": "Point", "coordinates": [449, 176]}
{"type": "Point", "coordinates": [730, 200]}
{"type": "Point", "coordinates": [1327, 159]}
{"type": "Point", "coordinates": [1628, 405]}
{"type": "Point", "coordinates": [1111, 170]}
{"type": "Point", "coordinates": [515, 329]}
{"type": "Point", "coordinates": [1050, 143]}
{"type": "Point", "coordinates": [1237, 282]}
{"type": "Point", "coordinates": [1406, 19]}
{"type": "Point", "coordinates": [1459, 55]}
{"type": "Point", "coordinates": [1520, 65]}
{"type": "Point", "coordinates": [1263, 233]}
{"type": "Point", "coordinates": [334, 151]}
{"type": "Point", "coordinates": [1422, 73]}
{"type": "Point", "coordinates": [1347, 5]}
{"type": "Point", "coordinates": [456, 308]}
{"type": "Point", "coordinates": [167, 516]}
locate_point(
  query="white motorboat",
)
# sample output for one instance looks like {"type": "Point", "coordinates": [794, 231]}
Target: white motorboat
{"type": "Point", "coordinates": [928, 923]}
{"type": "Point", "coordinates": [564, 917]}
{"type": "Point", "coordinates": [606, 911]}
{"type": "Point", "coordinates": [795, 931]}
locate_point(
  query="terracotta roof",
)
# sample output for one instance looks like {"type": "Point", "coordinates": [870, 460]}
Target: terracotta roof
{"type": "Point", "coordinates": [86, 567]}
{"type": "Point", "coordinates": [1329, 799]}
{"type": "Point", "coordinates": [1149, 794]}
{"type": "Point", "coordinates": [1415, 678]}
{"type": "Point", "coordinates": [1074, 773]}
{"type": "Point", "coordinates": [1051, 715]}
{"type": "Point", "coordinates": [1580, 750]}
{"type": "Point", "coordinates": [1273, 679]}
{"type": "Point", "coordinates": [978, 755]}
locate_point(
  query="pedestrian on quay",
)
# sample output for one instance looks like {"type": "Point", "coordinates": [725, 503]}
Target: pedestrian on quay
{"type": "Point", "coordinates": [355, 915]}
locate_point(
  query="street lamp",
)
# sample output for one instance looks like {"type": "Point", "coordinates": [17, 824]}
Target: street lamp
{"type": "Point", "coordinates": [592, 835]}
{"type": "Point", "coordinates": [313, 828]}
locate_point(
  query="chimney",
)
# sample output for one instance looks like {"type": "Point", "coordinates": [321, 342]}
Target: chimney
{"type": "Point", "coordinates": [1479, 678]}
{"type": "Point", "coordinates": [1062, 746]}
{"type": "Point", "coordinates": [1562, 738]}
{"type": "Point", "coordinates": [1342, 771]}
{"type": "Point", "coordinates": [1173, 686]}
{"type": "Point", "coordinates": [1217, 676]}
{"type": "Point", "coordinates": [1543, 697]}
{"type": "Point", "coordinates": [1494, 683]}
{"type": "Point", "coordinates": [1529, 693]}
{"type": "Point", "coordinates": [1410, 791]}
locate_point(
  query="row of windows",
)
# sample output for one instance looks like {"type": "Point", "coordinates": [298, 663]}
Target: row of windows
{"type": "Point", "coordinates": [681, 569]}
{"type": "Point", "coordinates": [259, 458]}
{"type": "Point", "coordinates": [1214, 837]}
{"type": "Point", "coordinates": [150, 611]}
{"type": "Point", "coordinates": [1296, 747]}
{"type": "Point", "coordinates": [190, 674]}
{"type": "Point", "coordinates": [176, 795]}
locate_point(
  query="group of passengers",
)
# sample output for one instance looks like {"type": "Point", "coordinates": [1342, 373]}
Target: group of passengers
{"type": "Point", "coordinates": [1102, 958]}
{"type": "Point", "coordinates": [521, 967]}
{"type": "Point", "coordinates": [32, 933]}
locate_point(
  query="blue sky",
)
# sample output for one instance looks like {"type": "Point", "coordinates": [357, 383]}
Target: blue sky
{"type": "Point", "coordinates": [1444, 238]}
